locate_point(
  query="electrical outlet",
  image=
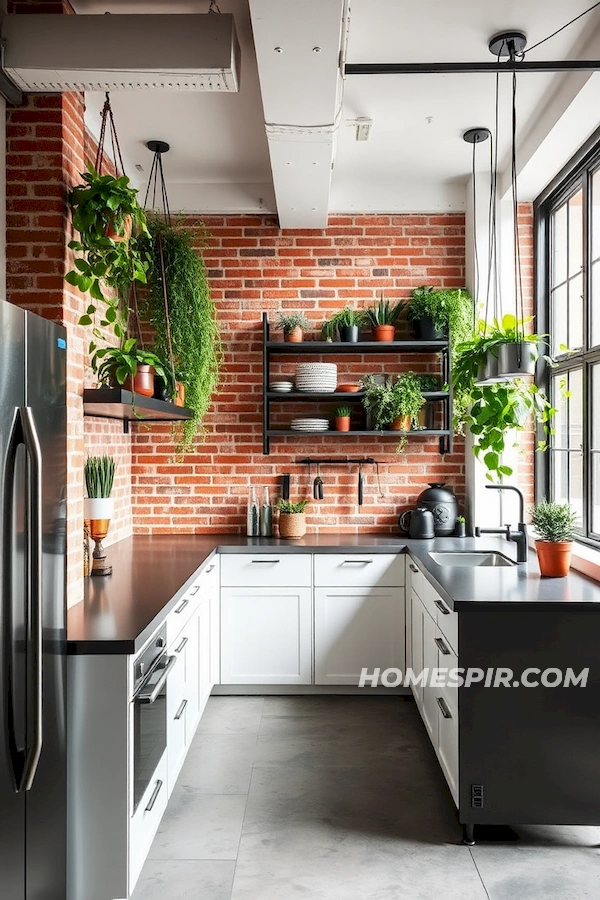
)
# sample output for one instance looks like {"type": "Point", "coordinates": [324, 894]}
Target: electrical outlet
{"type": "Point", "coordinates": [477, 796]}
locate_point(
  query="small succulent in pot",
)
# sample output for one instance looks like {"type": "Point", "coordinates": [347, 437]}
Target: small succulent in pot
{"type": "Point", "coordinates": [293, 326]}
{"type": "Point", "coordinates": [555, 524]}
{"type": "Point", "coordinates": [342, 417]}
{"type": "Point", "coordinates": [292, 519]}
{"type": "Point", "coordinates": [460, 529]}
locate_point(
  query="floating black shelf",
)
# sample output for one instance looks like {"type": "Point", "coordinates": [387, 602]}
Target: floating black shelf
{"type": "Point", "coordinates": [311, 348]}
{"type": "Point", "coordinates": [117, 403]}
{"type": "Point", "coordinates": [308, 347]}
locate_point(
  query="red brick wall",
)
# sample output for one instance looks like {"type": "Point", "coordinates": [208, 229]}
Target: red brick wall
{"type": "Point", "coordinates": [254, 266]}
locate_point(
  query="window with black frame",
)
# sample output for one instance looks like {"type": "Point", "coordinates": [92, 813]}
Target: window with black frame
{"type": "Point", "coordinates": [569, 304]}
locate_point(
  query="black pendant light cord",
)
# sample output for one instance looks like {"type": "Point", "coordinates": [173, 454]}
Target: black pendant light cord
{"type": "Point", "coordinates": [493, 293]}
{"type": "Point", "coordinates": [519, 304]}
{"type": "Point", "coordinates": [562, 28]}
{"type": "Point", "coordinates": [475, 247]}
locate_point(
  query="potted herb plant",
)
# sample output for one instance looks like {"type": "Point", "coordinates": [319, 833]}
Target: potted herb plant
{"type": "Point", "coordinates": [345, 323]}
{"type": "Point", "coordinates": [191, 328]}
{"type": "Point", "coordinates": [383, 317]}
{"type": "Point", "coordinates": [440, 313]}
{"type": "Point", "coordinates": [109, 256]}
{"type": "Point", "coordinates": [342, 417]}
{"type": "Point", "coordinates": [394, 405]}
{"type": "Point", "coordinates": [292, 518]}
{"type": "Point", "coordinates": [130, 366]}
{"type": "Point", "coordinates": [460, 529]}
{"type": "Point", "coordinates": [555, 525]}
{"type": "Point", "coordinates": [293, 326]}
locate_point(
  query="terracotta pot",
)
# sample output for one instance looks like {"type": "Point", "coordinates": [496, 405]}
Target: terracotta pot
{"type": "Point", "coordinates": [554, 558]}
{"type": "Point", "coordinates": [180, 398]}
{"type": "Point", "coordinates": [294, 336]}
{"type": "Point", "coordinates": [120, 238]}
{"type": "Point", "coordinates": [384, 332]}
{"type": "Point", "coordinates": [402, 423]}
{"type": "Point", "coordinates": [292, 525]}
{"type": "Point", "coordinates": [142, 383]}
{"type": "Point", "coordinates": [342, 423]}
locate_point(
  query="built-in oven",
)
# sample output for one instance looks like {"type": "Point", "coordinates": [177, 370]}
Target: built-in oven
{"type": "Point", "coordinates": [150, 685]}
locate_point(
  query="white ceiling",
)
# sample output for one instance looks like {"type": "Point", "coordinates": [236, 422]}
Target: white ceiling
{"type": "Point", "coordinates": [415, 157]}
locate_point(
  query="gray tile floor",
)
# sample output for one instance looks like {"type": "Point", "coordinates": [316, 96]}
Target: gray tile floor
{"type": "Point", "coordinates": [341, 798]}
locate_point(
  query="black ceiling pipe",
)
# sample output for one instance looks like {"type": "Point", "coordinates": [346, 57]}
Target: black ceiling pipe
{"type": "Point", "coordinates": [458, 68]}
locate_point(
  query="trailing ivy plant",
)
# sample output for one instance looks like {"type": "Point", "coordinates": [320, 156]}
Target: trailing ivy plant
{"type": "Point", "coordinates": [492, 411]}
{"type": "Point", "coordinates": [195, 336]}
{"type": "Point", "coordinates": [105, 265]}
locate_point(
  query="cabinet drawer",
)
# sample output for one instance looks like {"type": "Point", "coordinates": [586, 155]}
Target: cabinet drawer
{"type": "Point", "coordinates": [266, 570]}
{"type": "Point", "coordinates": [359, 570]}
{"type": "Point", "coordinates": [144, 824]}
{"type": "Point", "coordinates": [447, 749]}
{"type": "Point", "coordinates": [181, 614]}
{"type": "Point", "coordinates": [209, 577]}
{"type": "Point", "coordinates": [447, 622]}
{"type": "Point", "coordinates": [417, 578]}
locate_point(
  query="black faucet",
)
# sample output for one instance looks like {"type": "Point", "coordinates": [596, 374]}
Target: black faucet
{"type": "Point", "coordinates": [519, 536]}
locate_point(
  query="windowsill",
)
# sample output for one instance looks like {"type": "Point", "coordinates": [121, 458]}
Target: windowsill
{"type": "Point", "coordinates": [584, 559]}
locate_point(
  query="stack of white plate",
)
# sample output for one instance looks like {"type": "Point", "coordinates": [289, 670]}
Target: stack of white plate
{"type": "Point", "coordinates": [316, 377]}
{"type": "Point", "coordinates": [283, 387]}
{"type": "Point", "coordinates": [309, 425]}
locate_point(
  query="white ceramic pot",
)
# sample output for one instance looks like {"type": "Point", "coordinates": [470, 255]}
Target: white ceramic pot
{"type": "Point", "coordinates": [98, 508]}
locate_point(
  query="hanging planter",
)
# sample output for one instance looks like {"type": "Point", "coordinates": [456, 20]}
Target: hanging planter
{"type": "Point", "coordinates": [517, 360]}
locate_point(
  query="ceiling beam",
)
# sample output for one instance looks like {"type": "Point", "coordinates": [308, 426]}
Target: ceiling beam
{"type": "Point", "coordinates": [298, 50]}
{"type": "Point", "coordinates": [457, 68]}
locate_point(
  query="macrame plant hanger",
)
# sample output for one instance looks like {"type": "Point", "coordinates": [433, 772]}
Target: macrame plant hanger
{"type": "Point", "coordinates": [156, 184]}
{"type": "Point", "coordinates": [108, 120]}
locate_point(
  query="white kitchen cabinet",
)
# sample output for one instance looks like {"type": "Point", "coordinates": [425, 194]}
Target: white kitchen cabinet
{"type": "Point", "coordinates": [266, 635]}
{"type": "Point", "coordinates": [247, 570]}
{"type": "Point", "coordinates": [183, 694]}
{"type": "Point", "coordinates": [416, 642]}
{"type": "Point", "coordinates": [430, 708]}
{"type": "Point", "coordinates": [358, 570]}
{"type": "Point", "coordinates": [357, 628]}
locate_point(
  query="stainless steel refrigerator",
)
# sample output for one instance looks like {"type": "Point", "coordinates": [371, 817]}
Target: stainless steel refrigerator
{"type": "Point", "coordinates": [32, 607]}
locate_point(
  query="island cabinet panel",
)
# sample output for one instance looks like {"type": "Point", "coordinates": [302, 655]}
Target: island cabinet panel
{"type": "Point", "coordinates": [532, 752]}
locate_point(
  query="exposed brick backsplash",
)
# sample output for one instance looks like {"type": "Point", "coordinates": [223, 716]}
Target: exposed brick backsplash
{"type": "Point", "coordinates": [256, 267]}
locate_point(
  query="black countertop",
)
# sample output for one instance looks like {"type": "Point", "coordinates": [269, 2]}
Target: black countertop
{"type": "Point", "coordinates": [151, 572]}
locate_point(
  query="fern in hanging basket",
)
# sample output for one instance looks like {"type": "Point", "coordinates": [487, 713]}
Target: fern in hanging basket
{"type": "Point", "coordinates": [195, 336]}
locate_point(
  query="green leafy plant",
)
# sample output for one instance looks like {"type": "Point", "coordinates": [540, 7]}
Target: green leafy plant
{"type": "Point", "coordinates": [383, 312]}
{"type": "Point", "coordinates": [342, 412]}
{"type": "Point", "coordinates": [491, 412]}
{"type": "Point", "coordinates": [104, 267]}
{"type": "Point", "coordinates": [392, 400]}
{"type": "Point", "coordinates": [99, 474]}
{"type": "Point", "coordinates": [288, 321]}
{"type": "Point", "coordinates": [461, 519]}
{"type": "Point", "coordinates": [428, 383]}
{"type": "Point", "coordinates": [554, 522]}
{"type": "Point", "coordinates": [118, 363]}
{"type": "Point", "coordinates": [345, 318]}
{"type": "Point", "coordinates": [451, 310]}
{"type": "Point", "coordinates": [195, 337]}
{"type": "Point", "coordinates": [291, 507]}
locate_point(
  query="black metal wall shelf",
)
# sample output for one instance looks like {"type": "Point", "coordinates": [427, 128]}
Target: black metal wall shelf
{"type": "Point", "coordinates": [311, 348]}
{"type": "Point", "coordinates": [117, 403]}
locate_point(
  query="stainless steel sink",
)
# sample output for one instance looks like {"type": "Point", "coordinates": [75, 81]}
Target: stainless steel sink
{"type": "Point", "coordinates": [471, 558]}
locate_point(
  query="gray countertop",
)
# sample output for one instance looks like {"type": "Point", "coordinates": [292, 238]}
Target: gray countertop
{"type": "Point", "coordinates": [150, 572]}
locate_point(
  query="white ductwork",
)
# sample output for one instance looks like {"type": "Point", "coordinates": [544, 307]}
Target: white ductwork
{"type": "Point", "coordinates": [50, 53]}
{"type": "Point", "coordinates": [299, 49]}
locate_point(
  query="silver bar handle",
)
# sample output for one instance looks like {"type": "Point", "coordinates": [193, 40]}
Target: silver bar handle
{"type": "Point", "coordinates": [209, 568]}
{"type": "Point", "coordinates": [155, 794]}
{"type": "Point", "coordinates": [357, 562]}
{"type": "Point", "coordinates": [442, 647]}
{"type": "Point", "coordinates": [35, 628]}
{"type": "Point", "coordinates": [182, 645]}
{"type": "Point", "coordinates": [413, 568]}
{"type": "Point", "coordinates": [442, 607]}
{"type": "Point", "coordinates": [444, 708]}
{"type": "Point", "coordinates": [181, 710]}
{"type": "Point", "coordinates": [195, 590]}
{"type": "Point", "coordinates": [151, 696]}
{"type": "Point", "coordinates": [182, 605]}
{"type": "Point", "coordinates": [270, 562]}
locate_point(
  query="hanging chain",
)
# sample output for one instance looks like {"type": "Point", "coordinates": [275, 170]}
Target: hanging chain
{"type": "Point", "coordinates": [212, 7]}
{"type": "Point", "coordinates": [107, 116]}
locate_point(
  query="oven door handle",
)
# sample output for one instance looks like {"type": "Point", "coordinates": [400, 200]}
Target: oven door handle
{"type": "Point", "coordinates": [151, 695]}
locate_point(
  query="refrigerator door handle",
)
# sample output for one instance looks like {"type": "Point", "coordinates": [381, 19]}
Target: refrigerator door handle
{"type": "Point", "coordinates": [14, 754]}
{"type": "Point", "coordinates": [35, 624]}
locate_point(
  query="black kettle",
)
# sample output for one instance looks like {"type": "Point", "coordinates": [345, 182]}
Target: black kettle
{"type": "Point", "coordinates": [443, 504]}
{"type": "Point", "coordinates": [418, 523]}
